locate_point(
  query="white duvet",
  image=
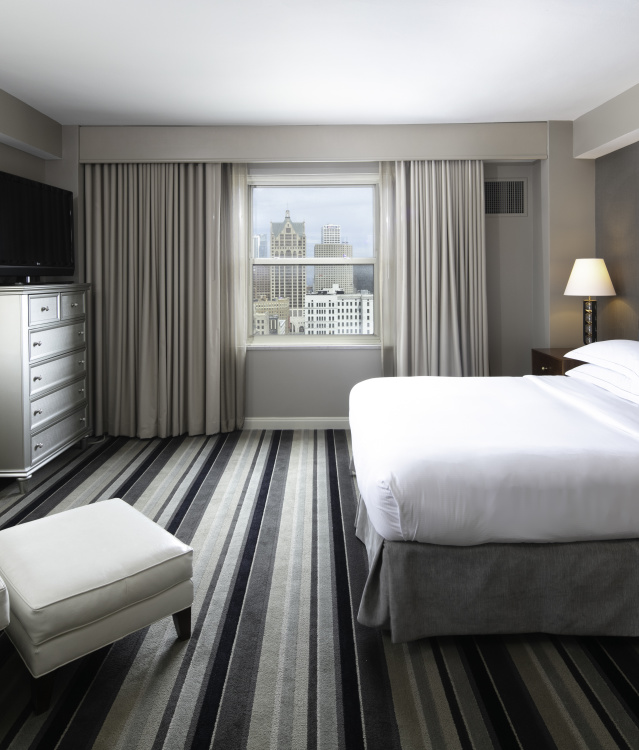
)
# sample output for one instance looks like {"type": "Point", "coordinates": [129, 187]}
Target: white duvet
{"type": "Point", "coordinates": [466, 461]}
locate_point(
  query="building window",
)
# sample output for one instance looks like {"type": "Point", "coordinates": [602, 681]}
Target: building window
{"type": "Point", "coordinates": [313, 247]}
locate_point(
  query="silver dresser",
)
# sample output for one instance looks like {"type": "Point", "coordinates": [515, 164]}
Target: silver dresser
{"type": "Point", "coordinates": [43, 374]}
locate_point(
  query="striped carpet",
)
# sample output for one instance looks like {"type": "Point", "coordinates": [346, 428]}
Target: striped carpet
{"type": "Point", "coordinates": [277, 658]}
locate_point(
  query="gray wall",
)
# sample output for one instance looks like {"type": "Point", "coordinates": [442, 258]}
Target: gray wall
{"type": "Point", "coordinates": [305, 388]}
{"type": "Point", "coordinates": [617, 190]}
{"type": "Point", "coordinates": [567, 231]}
{"type": "Point", "coordinates": [510, 254]}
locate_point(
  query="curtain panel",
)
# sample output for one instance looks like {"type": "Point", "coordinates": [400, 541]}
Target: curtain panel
{"type": "Point", "coordinates": [434, 268]}
{"type": "Point", "coordinates": [159, 241]}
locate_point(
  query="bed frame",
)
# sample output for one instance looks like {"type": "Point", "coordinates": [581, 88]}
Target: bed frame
{"type": "Point", "coordinates": [418, 590]}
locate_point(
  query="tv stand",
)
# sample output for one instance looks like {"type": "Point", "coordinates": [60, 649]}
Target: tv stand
{"type": "Point", "coordinates": [43, 371]}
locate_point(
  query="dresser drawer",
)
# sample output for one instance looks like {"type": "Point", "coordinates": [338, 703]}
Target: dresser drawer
{"type": "Point", "coordinates": [72, 304]}
{"type": "Point", "coordinates": [54, 437]}
{"type": "Point", "coordinates": [43, 308]}
{"type": "Point", "coordinates": [57, 372]}
{"type": "Point", "coordinates": [45, 343]}
{"type": "Point", "coordinates": [55, 404]}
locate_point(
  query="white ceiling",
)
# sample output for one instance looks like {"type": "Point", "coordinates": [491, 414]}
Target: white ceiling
{"type": "Point", "coordinates": [272, 62]}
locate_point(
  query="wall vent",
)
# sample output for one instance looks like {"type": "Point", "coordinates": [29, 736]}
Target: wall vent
{"type": "Point", "coordinates": [506, 197]}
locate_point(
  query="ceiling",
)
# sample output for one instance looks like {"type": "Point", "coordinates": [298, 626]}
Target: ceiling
{"type": "Point", "coordinates": [290, 62]}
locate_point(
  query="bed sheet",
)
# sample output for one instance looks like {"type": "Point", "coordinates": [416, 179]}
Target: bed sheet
{"type": "Point", "coordinates": [465, 461]}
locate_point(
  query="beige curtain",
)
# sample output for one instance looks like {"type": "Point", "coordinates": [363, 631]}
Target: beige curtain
{"type": "Point", "coordinates": [433, 268]}
{"type": "Point", "coordinates": [159, 241]}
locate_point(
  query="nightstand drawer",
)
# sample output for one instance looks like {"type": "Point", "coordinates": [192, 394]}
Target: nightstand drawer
{"type": "Point", "coordinates": [552, 361]}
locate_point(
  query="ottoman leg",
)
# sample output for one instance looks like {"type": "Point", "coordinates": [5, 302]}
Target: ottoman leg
{"type": "Point", "coordinates": [182, 622]}
{"type": "Point", "coordinates": [41, 692]}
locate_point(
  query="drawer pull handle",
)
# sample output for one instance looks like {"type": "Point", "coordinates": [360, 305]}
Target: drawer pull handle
{"type": "Point", "coordinates": [83, 419]}
{"type": "Point", "coordinates": [38, 445]}
{"type": "Point", "coordinates": [80, 333]}
{"type": "Point", "coordinates": [37, 377]}
{"type": "Point", "coordinates": [44, 309]}
{"type": "Point", "coordinates": [37, 343]}
{"type": "Point", "coordinates": [36, 412]}
{"type": "Point", "coordinates": [74, 304]}
{"type": "Point", "coordinates": [80, 361]}
{"type": "Point", "coordinates": [544, 368]}
{"type": "Point", "coordinates": [81, 390]}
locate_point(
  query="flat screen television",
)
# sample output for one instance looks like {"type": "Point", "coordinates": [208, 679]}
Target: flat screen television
{"type": "Point", "coordinates": [36, 229]}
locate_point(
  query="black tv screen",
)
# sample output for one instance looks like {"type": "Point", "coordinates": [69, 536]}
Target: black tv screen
{"type": "Point", "coordinates": [36, 228]}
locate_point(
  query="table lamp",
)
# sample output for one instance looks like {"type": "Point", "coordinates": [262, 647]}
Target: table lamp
{"type": "Point", "coordinates": [590, 278]}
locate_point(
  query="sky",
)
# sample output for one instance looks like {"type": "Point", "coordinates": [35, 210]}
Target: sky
{"type": "Point", "coordinates": [350, 207]}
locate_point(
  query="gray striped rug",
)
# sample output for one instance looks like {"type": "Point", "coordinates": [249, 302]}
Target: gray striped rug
{"type": "Point", "coordinates": [277, 658]}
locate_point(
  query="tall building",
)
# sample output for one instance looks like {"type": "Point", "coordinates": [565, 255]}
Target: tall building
{"type": "Point", "coordinates": [332, 312]}
{"type": "Point", "coordinates": [261, 282]}
{"type": "Point", "coordinates": [288, 240]}
{"type": "Point", "coordinates": [332, 247]}
{"type": "Point", "coordinates": [270, 317]}
{"type": "Point", "coordinates": [331, 234]}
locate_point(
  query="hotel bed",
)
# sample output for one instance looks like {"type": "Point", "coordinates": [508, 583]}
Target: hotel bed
{"type": "Point", "coordinates": [502, 505]}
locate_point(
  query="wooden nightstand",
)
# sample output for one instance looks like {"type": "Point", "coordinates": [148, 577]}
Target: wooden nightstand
{"type": "Point", "coordinates": [551, 361]}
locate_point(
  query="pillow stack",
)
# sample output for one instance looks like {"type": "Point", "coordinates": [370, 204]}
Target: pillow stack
{"type": "Point", "coordinates": [612, 365]}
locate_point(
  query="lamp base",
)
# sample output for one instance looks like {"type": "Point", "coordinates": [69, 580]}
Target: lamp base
{"type": "Point", "coordinates": [590, 321]}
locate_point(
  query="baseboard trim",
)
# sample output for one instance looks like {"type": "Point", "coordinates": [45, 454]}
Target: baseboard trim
{"type": "Point", "coordinates": [296, 423]}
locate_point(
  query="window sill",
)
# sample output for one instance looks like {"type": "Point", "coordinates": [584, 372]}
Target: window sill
{"type": "Point", "coordinates": [302, 342]}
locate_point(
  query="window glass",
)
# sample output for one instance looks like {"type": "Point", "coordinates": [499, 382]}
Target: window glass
{"type": "Point", "coordinates": [296, 232]}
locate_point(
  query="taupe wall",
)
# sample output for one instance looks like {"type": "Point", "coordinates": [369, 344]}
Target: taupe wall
{"type": "Point", "coordinates": [617, 188]}
{"type": "Point", "coordinates": [305, 388]}
{"type": "Point", "coordinates": [529, 259]}
{"type": "Point", "coordinates": [510, 254]}
{"type": "Point", "coordinates": [567, 233]}
{"type": "Point", "coordinates": [18, 162]}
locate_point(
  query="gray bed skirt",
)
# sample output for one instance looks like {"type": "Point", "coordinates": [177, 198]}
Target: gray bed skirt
{"type": "Point", "coordinates": [419, 590]}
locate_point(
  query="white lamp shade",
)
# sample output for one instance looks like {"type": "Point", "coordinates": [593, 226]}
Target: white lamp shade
{"type": "Point", "coordinates": [590, 278]}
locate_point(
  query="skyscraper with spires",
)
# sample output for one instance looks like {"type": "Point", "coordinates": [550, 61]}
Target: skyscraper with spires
{"type": "Point", "coordinates": [288, 240]}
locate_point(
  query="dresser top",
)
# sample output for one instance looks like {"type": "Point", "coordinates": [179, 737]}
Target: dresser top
{"type": "Point", "coordinates": [42, 288]}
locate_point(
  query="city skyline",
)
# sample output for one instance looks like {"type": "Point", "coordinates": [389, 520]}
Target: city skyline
{"type": "Point", "coordinates": [350, 207]}
{"type": "Point", "coordinates": [288, 298]}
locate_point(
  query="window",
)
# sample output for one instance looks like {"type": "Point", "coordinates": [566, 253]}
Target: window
{"type": "Point", "coordinates": [313, 251]}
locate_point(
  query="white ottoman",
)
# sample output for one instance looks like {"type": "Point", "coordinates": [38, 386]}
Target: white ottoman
{"type": "Point", "coordinates": [83, 578]}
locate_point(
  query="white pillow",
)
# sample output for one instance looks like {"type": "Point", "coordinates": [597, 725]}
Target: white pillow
{"type": "Point", "coordinates": [611, 380]}
{"type": "Point", "coordinates": [621, 355]}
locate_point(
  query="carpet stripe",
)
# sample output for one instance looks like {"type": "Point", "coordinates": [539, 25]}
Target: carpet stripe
{"type": "Point", "coordinates": [241, 696]}
{"type": "Point", "coordinates": [213, 692]}
{"type": "Point", "coordinates": [213, 568]}
{"type": "Point", "coordinates": [621, 673]}
{"type": "Point", "coordinates": [374, 681]}
{"type": "Point", "coordinates": [591, 696]}
{"type": "Point", "coordinates": [458, 719]}
{"type": "Point", "coordinates": [38, 502]}
{"type": "Point", "coordinates": [353, 734]}
{"type": "Point", "coordinates": [487, 696]}
{"type": "Point", "coordinates": [522, 713]}
{"type": "Point", "coordinates": [277, 659]}
{"type": "Point", "coordinates": [311, 705]}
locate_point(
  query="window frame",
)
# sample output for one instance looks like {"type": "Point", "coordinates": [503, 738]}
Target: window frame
{"type": "Point", "coordinates": [315, 175]}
